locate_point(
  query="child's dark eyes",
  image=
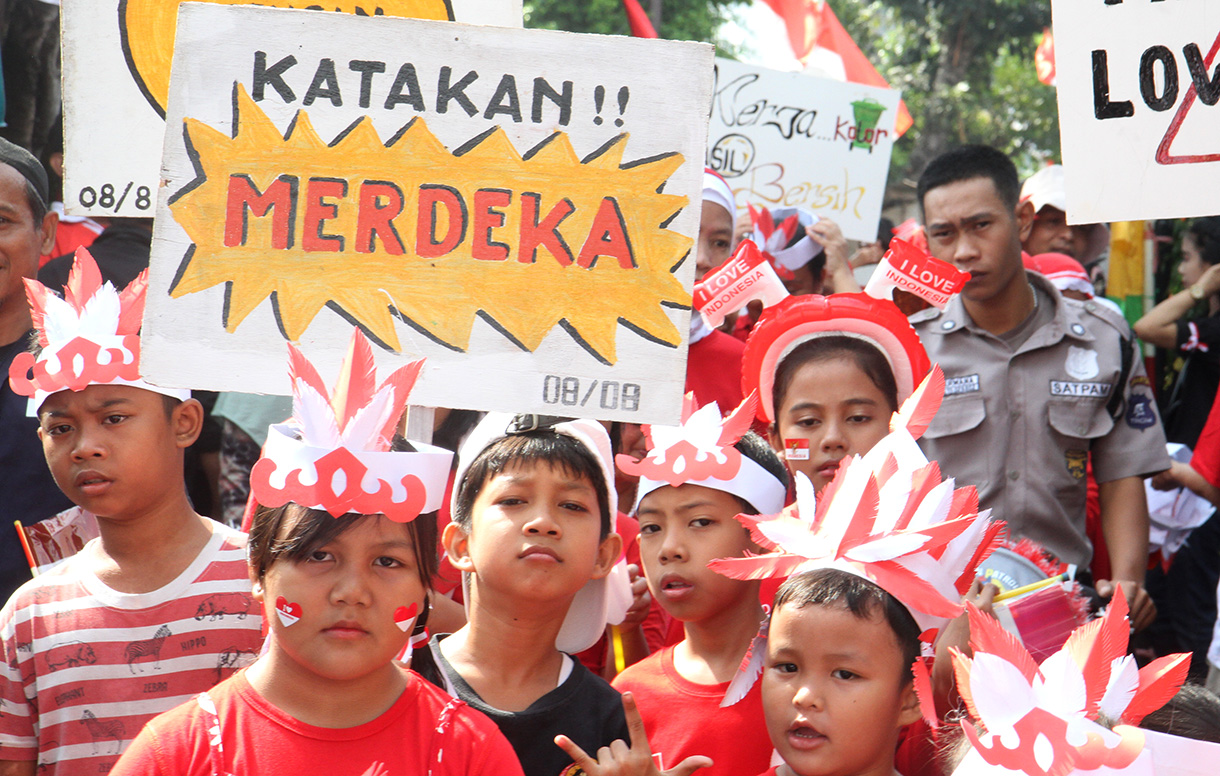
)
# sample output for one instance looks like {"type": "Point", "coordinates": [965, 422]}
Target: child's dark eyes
{"type": "Point", "coordinates": [574, 506]}
{"type": "Point", "coordinates": [701, 522]}
{"type": "Point", "coordinates": [387, 562]}
{"type": "Point", "coordinates": [56, 430]}
{"type": "Point", "coordinates": [785, 668]}
{"type": "Point", "coordinates": [110, 420]}
{"type": "Point", "coordinates": [844, 674]}
{"type": "Point", "coordinates": [860, 418]}
{"type": "Point", "coordinates": [319, 556]}
{"type": "Point", "coordinates": [809, 422]}
{"type": "Point", "coordinates": [648, 529]}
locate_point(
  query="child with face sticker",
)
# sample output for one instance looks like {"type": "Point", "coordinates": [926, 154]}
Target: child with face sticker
{"type": "Point", "coordinates": [830, 372]}
{"type": "Point", "coordinates": [341, 567]}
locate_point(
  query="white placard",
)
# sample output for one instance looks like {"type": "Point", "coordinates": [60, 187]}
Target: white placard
{"type": "Point", "coordinates": [116, 62]}
{"type": "Point", "coordinates": [1138, 115]}
{"type": "Point", "coordinates": [794, 140]}
{"type": "Point", "coordinates": [512, 204]}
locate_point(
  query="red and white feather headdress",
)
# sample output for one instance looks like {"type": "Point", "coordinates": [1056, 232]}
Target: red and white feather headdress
{"type": "Point", "coordinates": [89, 336]}
{"type": "Point", "coordinates": [774, 231]}
{"type": "Point", "coordinates": [798, 319]}
{"type": "Point", "coordinates": [1043, 720]}
{"type": "Point", "coordinates": [334, 454]}
{"type": "Point", "coordinates": [701, 452]}
{"type": "Point", "coordinates": [887, 516]}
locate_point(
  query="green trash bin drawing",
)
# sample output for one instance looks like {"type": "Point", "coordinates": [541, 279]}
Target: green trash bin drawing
{"type": "Point", "coordinates": [867, 113]}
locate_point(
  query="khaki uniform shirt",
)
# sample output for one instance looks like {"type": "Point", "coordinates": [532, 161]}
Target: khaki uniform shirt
{"type": "Point", "coordinates": [1020, 425]}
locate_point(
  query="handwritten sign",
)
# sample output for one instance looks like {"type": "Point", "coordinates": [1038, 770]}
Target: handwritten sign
{"type": "Point", "coordinates": [742, 279]}
{"type": "Point", "coordinates": [116, 63]}
{"type": "Point", "coordinates": [793, 140]}
{"type": "Point", "coordinates": [483, 198]}
{"type": "Point", "coordinates": [1138, 115]}
{"type": "Point", "coordinates": [910, 269]}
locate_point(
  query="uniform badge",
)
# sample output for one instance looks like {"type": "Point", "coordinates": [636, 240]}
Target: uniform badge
{"type": "Point", "coordinates": [1081, 363]}
{"type": "Point", "coordinates": [1139, 412]}
{"type": "Point", "coordinates": [1077, 461]}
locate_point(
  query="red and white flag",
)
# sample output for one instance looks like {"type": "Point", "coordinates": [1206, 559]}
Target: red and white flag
{"type": "Point", "coordinates": [819, 41]}
{"type": "Point", "coordinates": [641, 25]}
{"type": "Point", "coordinates": [1044, 58]}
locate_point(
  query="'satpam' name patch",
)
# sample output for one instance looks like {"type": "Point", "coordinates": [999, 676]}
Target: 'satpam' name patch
{"type": "Point", "coordinates": [965, 384]}
{"type": "Point", "coordinates": [1064, 388]}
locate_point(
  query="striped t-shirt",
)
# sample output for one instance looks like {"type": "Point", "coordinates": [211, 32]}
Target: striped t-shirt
{"type": "Point", "coordinates": [84, 666]}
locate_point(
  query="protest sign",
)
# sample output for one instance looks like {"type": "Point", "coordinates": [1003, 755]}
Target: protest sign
{"type": "Point", "coordinates": [116, 63]}
{"type": "Point", "coordinates": [793, 140]}
{"type": "Point", "coordinates": [1138, 115]}
{"type": "Point", "coordinates": [512, 204]}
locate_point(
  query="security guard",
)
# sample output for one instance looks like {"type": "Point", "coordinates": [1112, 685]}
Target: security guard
{"type": "Point", "coordinates": [1035, 383]}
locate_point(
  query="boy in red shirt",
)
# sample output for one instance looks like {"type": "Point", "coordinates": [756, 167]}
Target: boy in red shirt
{"type": "Point", "coordinates": [693, 483]}
{"type": "Point", "coordinates": [159, 607]}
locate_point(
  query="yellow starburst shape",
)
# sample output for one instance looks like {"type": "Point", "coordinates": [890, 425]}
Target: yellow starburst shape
{"type": "Point", "coordinates": [409, 230]}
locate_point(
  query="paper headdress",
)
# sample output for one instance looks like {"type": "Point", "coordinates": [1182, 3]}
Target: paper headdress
{"type": "Point", "coordinates": [90, 336]}
{"type": "Point", "coordinates": [775, 233]}
{"type": "Point", "coordinates": [796, 320]}
{"type": "Point", "coordinates": [600, 602]}
{"type": "Point", "coordinates": [1043, 720]}
{"type": "Point", "coordinates": [334, 454]}
{"type": "Point", "coordinates": [701, 452]}
{"type": "Point", "coordinates": [888, 517]}
{"type": "Point", "coordinates": [717, 189]}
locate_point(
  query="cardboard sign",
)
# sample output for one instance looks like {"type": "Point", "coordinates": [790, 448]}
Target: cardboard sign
{"type": "Point", "coordinates": [908, 268]}
{"type": "Point", "coordinates": [116, 63]}
{"type": "Point", "coordinates": [740, 280]}
{"type": "Point", "coordinates": [512, 204]}
{"type": "Point", "coordinates": [793, 140]}
{"type": "Point", "coordinates": [1138, 114]}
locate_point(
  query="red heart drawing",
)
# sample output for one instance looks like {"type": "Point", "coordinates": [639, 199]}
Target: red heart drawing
{"type": "Point", "coordinates": [404, 617]}
{"type": "Point", "coordinates": [288, 613]}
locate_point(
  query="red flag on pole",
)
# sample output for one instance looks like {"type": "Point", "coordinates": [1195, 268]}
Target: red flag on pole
{"type": "Point", "coordinates": [817, 34]}
{"type": "Point", "coordinates": [1044, 58]}
{"type": "Point", "coordinates": [641, 25]}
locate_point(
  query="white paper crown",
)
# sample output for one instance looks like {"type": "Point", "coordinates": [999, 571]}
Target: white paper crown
{"type": "Point", "coordinates": [1043, 720]}
{"type": "Point", "coordinates": [774, 230]}
{"type": "Point", "coordinates": [90, 336]}
{"type": "Point", "coordinates": [600, 602]}
{"type": "Point", "coordinates": [335, 453]}
{"type": "Point", "coordinates": [701, 452]}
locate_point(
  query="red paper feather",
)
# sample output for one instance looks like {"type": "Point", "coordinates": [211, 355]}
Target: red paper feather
{"type": "Point", "coordinates": [1160, 680]}
{"type": "Point", "coordinates": [987, 635]}
{"type": "Point", "coordinates": [923, 690]}
{"type": "Point", "coordinates": [921, 406]}
{"type": "Point", "coordinates": [738, 422]}
{"type": "Point", "coordinates": [752, 567]}
{"type": "Point", "coordinates": [84, 280]}
{"type": "Point", "coordinates": [37, 294]}
{"type": "Point", "coordinates": [357, 380]}
{"type": "Point", "coordinates": [131, 305]}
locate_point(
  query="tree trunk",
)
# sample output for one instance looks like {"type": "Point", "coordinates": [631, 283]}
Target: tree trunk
{"type": "Point", "coordinates": [938, 129]}
{"type": "Point", "coordinates": [654, 11]}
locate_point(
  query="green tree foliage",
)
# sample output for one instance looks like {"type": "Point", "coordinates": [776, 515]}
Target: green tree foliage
{"type": "Point", "coordinates": [966, 69]}
{"type": "Point", "coordinates": [679, 19]}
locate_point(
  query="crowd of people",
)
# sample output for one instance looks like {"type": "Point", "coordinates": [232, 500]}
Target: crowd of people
{"type": "Point", "coordinates": [795, 580]}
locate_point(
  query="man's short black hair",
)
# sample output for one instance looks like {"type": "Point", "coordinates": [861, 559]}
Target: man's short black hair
{"type": "Point", "coordinates": [967, 163]}
{"type": "Point", "coordinates": [864, 599]}
{"type": "Point", "coordinates": [565, 453]}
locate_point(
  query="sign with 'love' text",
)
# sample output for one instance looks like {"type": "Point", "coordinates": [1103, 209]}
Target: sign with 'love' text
{"type": "Point", "coordinates": [1139, 107]}
{"type": "Point", "coordinates": [116, 63]}
{"type": "Point", "coordinates": [514, 205]}
{"type": "Point", "coordinates": [794, 140]}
